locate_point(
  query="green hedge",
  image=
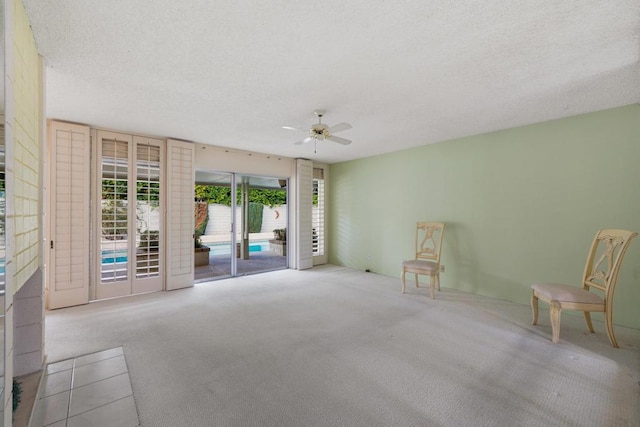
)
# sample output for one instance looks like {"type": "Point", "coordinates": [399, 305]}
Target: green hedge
{"type": "Point", "coordinates": [222, 195]}
{"type": "Point", "coordinates": [255, 217]}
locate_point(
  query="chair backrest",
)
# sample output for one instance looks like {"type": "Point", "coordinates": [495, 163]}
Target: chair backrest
{"type": "Point", "coordinates": [605, 258]}
{"type": "Point", "coordinates": [429, 240]}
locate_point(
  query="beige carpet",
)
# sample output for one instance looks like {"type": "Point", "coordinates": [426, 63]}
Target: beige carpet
{"type": "Point", "coordinates": [339, 347]}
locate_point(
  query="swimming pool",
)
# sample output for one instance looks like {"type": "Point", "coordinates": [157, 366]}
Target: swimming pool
{"type": "Point", "coordinates": [224, 248]}
{"type": "Point", "coordinates": [221, 248]}
{"type": "Point", "coordinates": [111, 257]}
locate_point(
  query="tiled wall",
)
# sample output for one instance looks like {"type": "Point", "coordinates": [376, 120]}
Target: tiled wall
{"type": "Point", "coordinates": [24, 89]}
{"type": "Point", "coordinates": [26, 146]}
{"type": "Point", "coordinates": [28, 326]}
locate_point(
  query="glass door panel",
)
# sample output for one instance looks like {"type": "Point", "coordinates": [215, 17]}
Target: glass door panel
{"type": "Point", "coordinates": [212, 211]}
{"type": "Point", "coordinates": [261, 218]}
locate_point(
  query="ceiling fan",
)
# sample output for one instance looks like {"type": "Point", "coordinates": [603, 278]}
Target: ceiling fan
{"type": "Point", "coordinates": [320, 131]}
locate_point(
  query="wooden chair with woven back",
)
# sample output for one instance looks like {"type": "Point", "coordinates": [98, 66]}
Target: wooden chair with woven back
{"type": "Point", "coordinates": [600, 273]}
{"type": "Point", "coordinates": [428, 245]}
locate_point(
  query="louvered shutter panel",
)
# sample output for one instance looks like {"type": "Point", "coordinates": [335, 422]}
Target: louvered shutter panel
{"type": "Point", "coordinates": [115, 205]}
{"type": "Point", "coordinates": [180, 205]}
{"type": "Point", "coordinates": [3, 205]}
{"type": "Point", "coordinates": [69, 147]}
{"type": "Point", "coordinates": [148, 226]}
{"type": "Point", "coordinates": [318, 218]}
{"type": "Point", "coordinates": [304, 196]}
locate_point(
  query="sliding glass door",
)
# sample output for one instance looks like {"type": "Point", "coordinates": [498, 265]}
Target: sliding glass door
{"type": "Point", "coordinates": [244, 228]}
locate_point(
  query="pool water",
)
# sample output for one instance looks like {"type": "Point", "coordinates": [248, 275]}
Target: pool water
{"type": "Point", "coordinates": [222, 248]}
{"type": "Point", "coordinates": [113, 259]}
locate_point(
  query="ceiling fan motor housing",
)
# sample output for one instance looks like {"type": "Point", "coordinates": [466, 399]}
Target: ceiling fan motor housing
{"type": "Point", "coordinates": [319, 130]}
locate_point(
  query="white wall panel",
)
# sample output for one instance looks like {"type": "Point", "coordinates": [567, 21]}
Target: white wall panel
{"type": "Point", "coordinates": [227, 160]}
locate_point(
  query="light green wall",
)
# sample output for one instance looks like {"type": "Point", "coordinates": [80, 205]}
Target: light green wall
{"type": "Point", "coordinates": [521, 205]}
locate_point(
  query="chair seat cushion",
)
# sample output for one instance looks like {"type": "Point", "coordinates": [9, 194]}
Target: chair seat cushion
{"type": "Point", "coordinates": [420, 264]}
{"type": "Point", "coordinates": [566, 293]}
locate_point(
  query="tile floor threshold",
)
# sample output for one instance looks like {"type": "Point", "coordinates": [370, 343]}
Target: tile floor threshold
{"type": "Point", "coordinates": [90, 390]}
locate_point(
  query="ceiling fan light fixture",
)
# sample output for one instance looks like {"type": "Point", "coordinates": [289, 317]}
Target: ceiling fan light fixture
{"type": "Point", "coordinates": [321, 132]}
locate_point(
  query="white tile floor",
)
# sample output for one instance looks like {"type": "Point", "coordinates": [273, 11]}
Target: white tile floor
{"type": "Point", "coordinates": [92, 390]}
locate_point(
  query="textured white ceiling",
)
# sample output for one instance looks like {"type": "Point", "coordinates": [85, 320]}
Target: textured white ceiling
{"type": "Point", "coordinates": [404, 73]}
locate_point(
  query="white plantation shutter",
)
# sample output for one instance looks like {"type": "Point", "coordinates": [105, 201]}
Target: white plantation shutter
{"type": "Point", "coordinates": [114, 222]}
{"type": "Point", "coordinates": [147, 201]}
{"type": "Point", "coordinates": [3, 204]}
{"type": "Point", "coordinates": [69, 232]}
{"type": "Point", "coordinates": [114, 209]}
{"type": "Point", "coordinates": [180, 187]}
{"type": "Point", "coordinates": [149, 242]}
{"type": "Point", "coordinates": [304, 196]}
{"type": "Point", "coordinates": [318, 218]}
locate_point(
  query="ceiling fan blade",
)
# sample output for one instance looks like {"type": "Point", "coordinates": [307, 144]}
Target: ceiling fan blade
{"type": "Point", "coordinates": [339, 140]}
{"type": "Point", "coordinates": [304, 141]}
{"type": "Point", "coordinates": [292, 128]}
{"type": "Point", "coordinates": [339, 127]}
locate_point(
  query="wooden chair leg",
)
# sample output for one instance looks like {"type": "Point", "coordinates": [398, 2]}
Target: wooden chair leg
{"type": "Point", "coordinates": [608, 316]}
{"type": "Point", "coordinates": [402, 281]}
{"type": "Point", "coordinates": [438, 280]}
{"type": "Point", "coordinates": [432, 285]}
{"type": "Point", "coordinates": [555, 321]}
{"type": "Point", "coordinates": [417, 283]}
{"type": "Point", "coordinates": [534, 309]}
{"type": "Point", "coordinates": [587, 318]}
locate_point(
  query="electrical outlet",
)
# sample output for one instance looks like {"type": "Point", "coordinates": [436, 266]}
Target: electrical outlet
{"type": "Point", "coordinates": [442, 268]}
